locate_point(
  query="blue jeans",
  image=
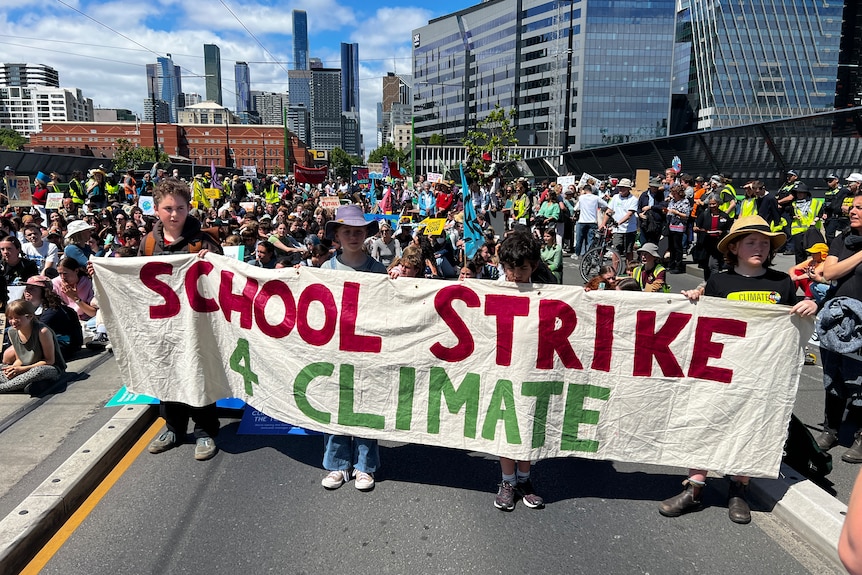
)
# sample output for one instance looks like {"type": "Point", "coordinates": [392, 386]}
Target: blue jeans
{"type": "Point", "coordinates": [341, 452]}
{"type": "Point", "coordinates": [584, 234]}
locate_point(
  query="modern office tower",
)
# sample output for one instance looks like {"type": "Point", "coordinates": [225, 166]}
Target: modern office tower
{"type": "Point", "coordinates": [350, 77]}
{"type": "Point", "coordinates": [159, 108]}
{"type": "Point", "coordinates": [29, 75]}
{"type": "Point", "coordinates": [848, 92]}
{"type": "Point", "coordinates": [212, 70]}
{"type": "Point", "coordinates": [315, 64]}
{"type": "Point", "coordinates": [242, 78]}
{"type": "Point", "coordinates": [743, 63]}
{"type": "Point", "coordinates": [351, 137]}
{"type": "Point", "coordinates": [190, 99]}
{"type": "Point", "coordinates": [396, 90]}
{"type": "Point", "coordinates": [579, 73]}
{"type": "Point", "coordinates": [299, 122]}
{"type": "Point", "coordinates": [299, 87]}
{"type": "Point", "coordinates": [325, 108]}
{"type": "Point", "coordinates": [269, 106]}
{"type": "Point", "coordinates": [300, 40]}
{"type": "Point", "coordinates": [164, 82]}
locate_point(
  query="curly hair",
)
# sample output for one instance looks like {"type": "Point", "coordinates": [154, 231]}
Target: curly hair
{"type": "Point", "coordinates": [171, 187]}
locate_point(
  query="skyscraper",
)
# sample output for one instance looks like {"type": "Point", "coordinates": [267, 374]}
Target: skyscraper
{"type": "Point", "coordinates": [212, 69]}
{"type": "Point", "coordinates": [29, 75]}
{"type": "Point", "coordinates": [242, 79]}
{"type": "Point", "coordinates": [759, 61]}
{"type": "Point", "coordinates": [350, 77]}
{"type": "Point", "coordinates": [164, 82]}
{"type": "Point", "coordinates": [325, 108]}
{"type": "Point", "coordinates": [300, 40]}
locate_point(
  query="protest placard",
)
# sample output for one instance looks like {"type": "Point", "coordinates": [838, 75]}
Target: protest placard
{"type": "Point", "coordinates": [516, 370]}
{"type": "Point", "coordinates": [54, 201]}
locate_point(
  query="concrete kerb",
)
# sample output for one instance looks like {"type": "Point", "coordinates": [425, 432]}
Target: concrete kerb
{"type": "Point", "coordinates": [44, 511]}
{"type": "Point", "coordinates": [814, 514]}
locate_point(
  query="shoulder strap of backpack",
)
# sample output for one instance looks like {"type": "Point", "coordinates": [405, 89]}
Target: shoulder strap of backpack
{"type": "Point", "coordinates": [149, 244]}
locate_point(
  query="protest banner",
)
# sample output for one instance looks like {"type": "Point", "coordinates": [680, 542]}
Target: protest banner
{"type": "Point", "coordinates": [147, 206]}
{"type": "Point", "coordinates": [566, 181]}
{"type": "Point", "coordinates": [249, 171]}
{"type": "Point", "coordinates": [585, 179]}
{"type": "Point", "coordinates": [432, 226]}
{"type": "Point", "coordinates": [54, 201]}
{"type": "Point", "coordinates": [330, 202]}
{"type": "Point", "coordinates": [212, 193]}
{"type": "Point", "coordinates": [19, 193]}
{"type": "Point", "coordinates": [516, 370]}
{"type": "Point", "coordinates": [434, 177]}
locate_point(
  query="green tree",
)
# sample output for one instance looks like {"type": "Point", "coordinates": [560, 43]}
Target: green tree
{"type": "Point", "coordinates": [493, 136]}
{"type": "Point", "coordinates": [391, 153]}
{"type": "Point", "coordinates": [11, 140]}
{"type": "Point", "coordinates": [340, 162]}
{"type": "Point", "coordinates": [127, 155]}
{"type": "Point", "coordinates": [436, 140]}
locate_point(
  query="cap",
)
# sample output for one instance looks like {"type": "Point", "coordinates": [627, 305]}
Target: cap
{"type": "Point", "coordinates": [854, 177]}
{"type": "Point", "coordinates": [655, 182]}
{"type": "Point", "coordinates": [624, 183]}
{"type": "Point", "coordinates": [716, 178]}
{"type": "Point", "coordinates": [792, 173]}
{"type": "Point", "coordinates": [8, 169]}
{"type": "Point", "coordinates": [832, 176]}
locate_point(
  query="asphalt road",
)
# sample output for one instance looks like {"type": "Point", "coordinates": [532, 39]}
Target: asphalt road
{"type": "Point", "coordinates": [258, 507]}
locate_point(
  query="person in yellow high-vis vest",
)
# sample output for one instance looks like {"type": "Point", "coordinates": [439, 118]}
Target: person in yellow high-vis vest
{"type": "Point", "coordinates": [748, 205]}
{"type": "Point", "coordinates": [806, 222]}
{"type": "Point", "coordinates": [270, 190]}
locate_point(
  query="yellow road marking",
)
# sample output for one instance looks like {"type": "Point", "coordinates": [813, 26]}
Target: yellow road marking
{"type": "Point", "coordinates": [53, 545]}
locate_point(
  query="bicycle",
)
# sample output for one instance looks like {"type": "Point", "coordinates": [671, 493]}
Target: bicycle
{"type": "Point", "coordinates": [601, 254]}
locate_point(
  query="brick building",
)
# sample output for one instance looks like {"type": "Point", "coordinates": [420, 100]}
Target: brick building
{"type": "Point", "coordinates": [259, 146]}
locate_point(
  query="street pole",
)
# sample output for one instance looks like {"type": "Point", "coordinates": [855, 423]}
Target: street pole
{"type": "Point", "coordinates": [155, 129]}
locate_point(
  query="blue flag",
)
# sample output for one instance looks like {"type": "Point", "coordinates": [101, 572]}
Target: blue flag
{"type": "Point", "coordinates": [473, 236]}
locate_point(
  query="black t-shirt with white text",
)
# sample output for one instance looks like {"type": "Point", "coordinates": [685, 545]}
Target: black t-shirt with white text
{"type": "Point", "coordinates": [773, 287]}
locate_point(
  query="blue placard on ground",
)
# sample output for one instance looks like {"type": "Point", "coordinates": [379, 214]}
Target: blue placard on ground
{"type": "Point", "coordinates": [256, 422]}
{"type": "Point", "coordinates": [126, 397]}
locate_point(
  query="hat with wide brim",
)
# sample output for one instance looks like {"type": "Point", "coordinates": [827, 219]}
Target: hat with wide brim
{"type": "Point", "coordinates": [350, 215]}
{"type": "Point", "coordinates": [650, 248]}
{"type": "Point", "coordinates": [751, 224]}
{"type": "Point", "coordinates": [78, 226]}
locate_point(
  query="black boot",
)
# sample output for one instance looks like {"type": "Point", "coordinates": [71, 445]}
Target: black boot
{"type": "Point", "coordinates": [827, 439]}
{"type": "Point", "coordinates": [687, 501]}
{"type": "Point", "coordinates": [737, 504]}
{"type": "Point", "coordinates": [854, 454]}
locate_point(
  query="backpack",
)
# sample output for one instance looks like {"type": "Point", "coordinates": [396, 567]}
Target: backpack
{"type": "Point", "coordinates": [802, 453]}
{"type": "Point", "coordinates": [149, 242]}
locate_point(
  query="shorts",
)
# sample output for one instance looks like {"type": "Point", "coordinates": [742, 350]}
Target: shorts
{"type": "Point", "coordinates": [624, 243]}
{"type": "Point", "coordinates": [842, 375]}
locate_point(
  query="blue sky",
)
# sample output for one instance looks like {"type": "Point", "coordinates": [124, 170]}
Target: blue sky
{"type": "Point", "coordinates": [102, 47]}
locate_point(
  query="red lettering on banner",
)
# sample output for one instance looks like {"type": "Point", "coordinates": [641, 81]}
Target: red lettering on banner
{"type": "Point", "coordinates": [650, 343]}
{"type": "Point", "coordinates": [149, 277]}
{"type": "Point", "coordinates": [239, 302]}
{"type": "Point", "coordinates": [443, 304]}
{"type": "Point", "coordinates": [269, 290]}
{"type": "Point", "coordinates": [349, 340]}
{"type": "Point", "coordinates": [604, 341]}
{"type": "Point", "coordinates": [553, 340]}
{"type": "Point", "coordinates": [196, 300]}
{"type": "Point", "coordinates": [505, 308]}
{"type": "Point", "coordinates": [706, 349]}
{"type": "Point", "coordinates": [316, 293]}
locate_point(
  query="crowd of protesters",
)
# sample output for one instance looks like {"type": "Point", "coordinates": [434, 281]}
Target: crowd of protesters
{"type": "Point", "coordinates": [275, 222]}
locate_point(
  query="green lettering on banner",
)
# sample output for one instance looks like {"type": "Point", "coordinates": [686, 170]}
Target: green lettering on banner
{"type": "Point", "coordinates": [542, 391]}
{"type": "Point", "coordinates": [576, 414]}
{"type": "Point", "coordinates": [467, 396]}
{"type": "Point", "coordinates": [346, 401]}
{"type": "Point", "coordinates": [241, 354]}
{"type": "Point", "coordinates": [300, 389]}
{"type": "Point", "coordinates": [503, 395]}
{"type": "Point", "coordinates": [406, 388]}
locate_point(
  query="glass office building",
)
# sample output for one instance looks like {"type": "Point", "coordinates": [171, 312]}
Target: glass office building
{"type": "Point", "coordinates": [212, 70]}
{"type": "Point", "coordinates": [300, 40]}
{"type": "Point", "coordinates": [580, 73]}
{"type": "Point", "coordinates": [757, 60]}
{"type": "Point", "coordinates": [164, 81]}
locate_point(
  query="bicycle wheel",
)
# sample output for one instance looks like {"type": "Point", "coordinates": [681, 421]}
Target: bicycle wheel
{"type": "Point", "coordinates": [590, 263]}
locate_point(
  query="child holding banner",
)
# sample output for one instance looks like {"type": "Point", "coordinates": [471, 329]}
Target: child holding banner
{"type": "Point", "coordinates": [749, 249]}
{"type": "Point", "coordinates": [341, 452]}
{"type": "Point", "coordinates": [177, 233]}
{"type": "Point", "coordinates": [520, 256]}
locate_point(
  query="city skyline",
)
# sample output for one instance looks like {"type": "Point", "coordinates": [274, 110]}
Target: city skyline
{"type": "Point", "coordinates": [110, 66]}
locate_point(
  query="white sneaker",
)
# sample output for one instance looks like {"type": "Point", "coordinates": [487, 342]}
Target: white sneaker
{"type": "Point", "coordinates": [363, 481]}
{"type": "Point", "coordinates": [336, 479]}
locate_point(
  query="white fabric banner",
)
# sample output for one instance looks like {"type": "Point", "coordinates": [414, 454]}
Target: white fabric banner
{"type": "Point", "coordinates": [526, 372]}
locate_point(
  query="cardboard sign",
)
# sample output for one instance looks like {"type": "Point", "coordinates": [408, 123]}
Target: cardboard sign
{"type": "Point", "coordinates": [148, 207]}
{"type": "Point", "coordinates": [433, 177]}
{"type": "Point", "coordinates": [19, 193]}
{"type": "Point", "coordinates": [55, 201]}
{"type": "Point", "coordinates": [212, 193]}
{"type": "Point", "coordinates": [433, 226]}
{"type": "Point", "coordinates": [329, 202]}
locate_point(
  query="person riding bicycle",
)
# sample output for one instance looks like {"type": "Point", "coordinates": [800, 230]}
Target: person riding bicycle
{"type": "Point", "coordinates": [623, 207]}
